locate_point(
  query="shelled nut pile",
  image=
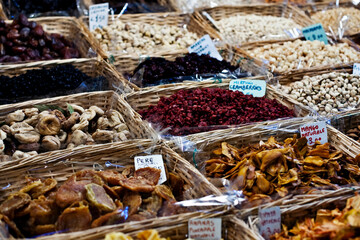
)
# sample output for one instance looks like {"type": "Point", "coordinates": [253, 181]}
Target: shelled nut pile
{"type": "Point", "coordinates": [138, 38]}
{"type": "Point", "coordinates": [251, 27]}
{"type": "Point", "coordinates": [299, 54]}
{"type": "Point", "coordinates": [327, 93]}
{"type": "Point", "coordinates": [332, 18]}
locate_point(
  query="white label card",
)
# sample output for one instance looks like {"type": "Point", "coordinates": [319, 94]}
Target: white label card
{"type": "Point", "coordinates": [153, 161]}
{"type": "Point", "coordinates": [270, 221]}
{"type": "Point", "coordinates": [356, 69]}
{"type": "Point", "coordinates": [205, 229]}
{"type": "Point", "coordinates": [314, 132]}
{"type": "Point", "coordinates": [205, 46]}
{"type": "Point", "coordinates": [98, 16]}
{"type": "Point", "coordinates": [257, 88]}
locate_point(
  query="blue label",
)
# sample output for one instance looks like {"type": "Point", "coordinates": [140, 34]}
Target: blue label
{"type": "Point", "coordinates": [315, 32]}
{"type": "Point", "coordinates": [257, 88]}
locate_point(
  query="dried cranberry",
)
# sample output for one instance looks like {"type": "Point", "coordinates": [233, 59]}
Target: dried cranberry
{"type": "Point", "coordinates": [24, 32]}
{"type": "Point", "coordinates": [38, 31]}
{"type": "Point", "coordinates": [23, 20]}
{"type": "Point", "coordinates": [13, 34]}
{"type": "Point", "coordinates": [205, 109]}
{"type": "Point", "coordinates": [18, 49]}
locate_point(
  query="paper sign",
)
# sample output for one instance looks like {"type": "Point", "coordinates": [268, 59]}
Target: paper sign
{"type": "Point", "coordinates": [205, 229]}
{"type": "Point", "coordinates": [98, 16]}
{"type": "Point", "coordinates": [257, 88]}
{"type": "Point", "coordinates": [315, 32]}
{"type": "Point", "coordinates": [356, 69]}
{"type": "Point", "coordinates": [205, 46]}
{"type": "Point", "coordinates": [270, 221]}
{"type": "Point", "coordinates": [153, 161]}
{"type": "Point", "coordinates": [314, 132]}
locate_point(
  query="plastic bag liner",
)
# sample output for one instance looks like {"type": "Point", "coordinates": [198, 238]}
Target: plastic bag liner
{"type": "Point", "coordinates": [183, 182]}
{"type": "Point", "coordinates": [339, 18]}
{"type": "Point", "coordinates": [40, 8]}
{"type": "Point", "coordinates": [267, 178]}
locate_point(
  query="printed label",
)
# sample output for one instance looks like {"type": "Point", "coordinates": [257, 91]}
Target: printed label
{"type": "Point", "coordinates": [205, 46]}
{"type": "Point", "coordinates": [205, 229]}
{"type": "Point", "coordinates": [356, 69]}
{"type": "Point", "coordinates": [315, 32]}
{"type": "Point", "coordinates": [153, 161]}
{"type": "Point", "coordinates": [314, 132]}
{"type": "Point", "coordinates": [98, 16]}
{"type": "Point", "coordinates": [270, 221]}
{"type": "Point", "coordinates": [257, 88]}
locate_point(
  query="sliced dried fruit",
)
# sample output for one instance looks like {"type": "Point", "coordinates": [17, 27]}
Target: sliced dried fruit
{"type": "Point", "coordinates": [116, 217]}
{"type": "Point", "coordinates": [97, 196]}
{"type": "Point", "coordinates": [137, 184]}
{"type": "Point", "coordinates": [13, 203]}
{"type": "Point", "coordinates": [164, 192]}
{"type": "Point", "coordinates": [132, 200]}
{"type": "Point", "coordinates": [74, 218]}
{"type": "Point", "coordinates": [151, 174]}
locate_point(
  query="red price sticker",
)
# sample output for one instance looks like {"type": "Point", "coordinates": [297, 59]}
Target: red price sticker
{"type": "Point", "coordinates": [270, 221]}
{"type": "Point", "coordinates": [314, 132]}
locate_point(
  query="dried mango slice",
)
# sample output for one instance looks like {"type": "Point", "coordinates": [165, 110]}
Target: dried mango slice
{"type": "Point", "coordinates": [74, 218]}
{"type": "Point", "coordinates": [137, 184]}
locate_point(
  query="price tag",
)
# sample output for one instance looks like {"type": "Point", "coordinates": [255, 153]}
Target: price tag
{"type": "Point", "coordinates": [205, 46]}
{"type": "Point", "coordinates": [356, 69]}
{"type": "Point", "coordinates": [205, 229]}
{"type": "Point", "coordinates": [315, 32]}
{"type": "Point", "coordinates": [98, 16]}
{"type": "Point", "coordinates": [270, 221]}
{"type": "Point", "coordinates": [257, 88]}
{"type": "Point", "coordinates": [153, 161]}
{"type": "Point", "coordinates": [314, 132]}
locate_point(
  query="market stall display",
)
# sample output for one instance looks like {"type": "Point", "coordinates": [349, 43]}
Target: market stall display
{"type": "Point", "coordinates": [144, 126]}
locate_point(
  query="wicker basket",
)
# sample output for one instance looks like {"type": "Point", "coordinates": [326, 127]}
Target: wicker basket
{"type": "Point", "coordinates": [150, 96]}
{"type": "Point", "coordinates": [170, 18]}
{"type": "Point", "coordinates": [103, 99]}
{"type": "Point", "coordinates": [121, 154]}
{"type": "Point", "coordinates": [197, 148]}
{"type": "Point", "coordinates": [90, 66]}
{"type": "Point", "coordinates": [312, 8]}
{"type": "Point", "coordinates": [273, 9]}
{"type": "Point", "coordinates": [244, 51]}
{"type": "Point", "coordinates": [126, 64]}
{"type": "Point", "coordinates": [71, 29]}
{"type": "Point", "coordinates": [292, 213]}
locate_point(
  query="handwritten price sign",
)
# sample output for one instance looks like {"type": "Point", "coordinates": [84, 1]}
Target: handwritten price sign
{"type": "Point", "coordinates": [98, 16]}
{"type": "Point", "coordinates": [270, 221]}
{"type": "Point", "coordinates": [205, 229]}
{"type": "Point", "coordinates": [314, 132]}
{"type": "Point", "coordinates": [315, 32]}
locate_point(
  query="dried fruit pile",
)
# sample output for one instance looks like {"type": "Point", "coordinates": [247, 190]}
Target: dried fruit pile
{"type": "Point", "coordinates": [46, 128]}
{"type": "Point", "coordinates": [39, 6]}
{"type": "Point", "coordinates": [58, 80]}
{"type": "Point", "coordinates": [354, 133]}
{"type": "Point", "coordinates": [24, 40]}
{"type": "Point", "coordinates": [205, 109]}
{"type": "Point", "coordinates": [329, 224]}
{"type": "Point", "coordinates": [159, 70]}
{"type": "Point", "coordinates": [279, 168]}
{"type": "Point", "coordinates": [90, 199]}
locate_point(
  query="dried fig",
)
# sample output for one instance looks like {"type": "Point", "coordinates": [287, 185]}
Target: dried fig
{"type": "Point", "coordinates": [49, 125]}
